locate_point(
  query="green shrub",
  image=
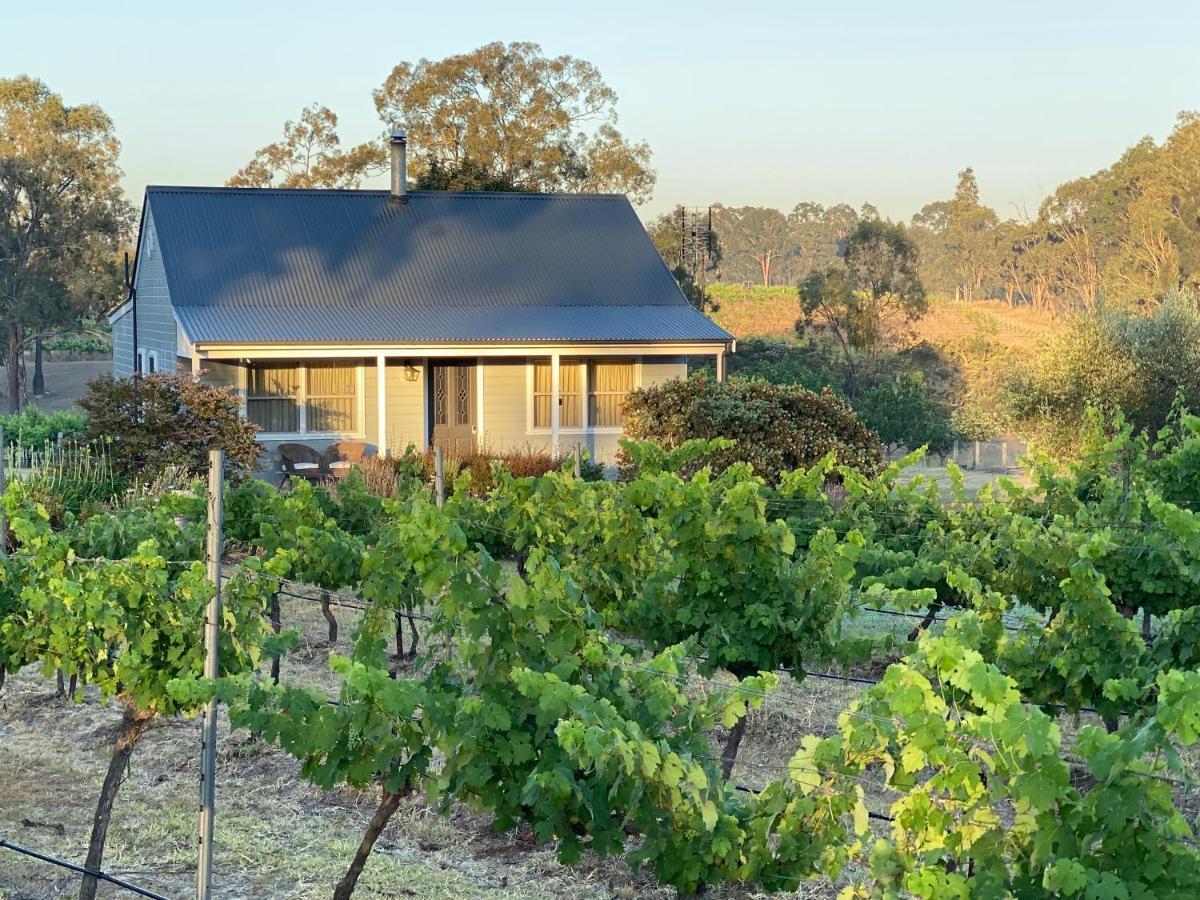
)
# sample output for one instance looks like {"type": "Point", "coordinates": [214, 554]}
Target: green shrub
{"type": "Point", "coordinates": [775, 428]}
{"type": "Point", "coordinates": [32, 428]}
{"type": "Point", "coordinates": [779, 362]}
{"type": "Point", "coordinates": [1117, 359]}
{"type": "Point", "coordinates": [86, 344]}
{"type": "Point", "coordinates": [160, 421]}
{"type": "Point", "coordinates": [904, 415]}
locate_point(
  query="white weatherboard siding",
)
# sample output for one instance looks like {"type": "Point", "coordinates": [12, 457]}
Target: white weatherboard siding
{"type": "Point", "coordinates": [505, 399]}
{"type": "Point", "coordinates": [404, 412]}
{"type": "Point", "coordinates": [122, 344]}
{"type": "Point", "coordinates": [157, 331]}
{"type": "Point", "coordinates": [658, 369]}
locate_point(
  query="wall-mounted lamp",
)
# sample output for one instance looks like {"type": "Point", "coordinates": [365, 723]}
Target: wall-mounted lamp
{"type": "Point", "coordinates": [411, 372]}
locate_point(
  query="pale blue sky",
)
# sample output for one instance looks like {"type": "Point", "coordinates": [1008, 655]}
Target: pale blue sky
{"type": "Point", "coordinates": [765, 103]}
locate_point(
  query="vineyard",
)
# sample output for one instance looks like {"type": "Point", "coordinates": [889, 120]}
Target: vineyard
{"type": "Point", "coordinates": [841, 684]}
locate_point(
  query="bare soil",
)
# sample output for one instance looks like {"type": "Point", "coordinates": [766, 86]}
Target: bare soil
{"type": "Point", "coordinates": [66, 383]}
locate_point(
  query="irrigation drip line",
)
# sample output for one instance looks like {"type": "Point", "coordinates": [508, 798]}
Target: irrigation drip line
{"type": "Point", "coordinates": [332, 598]}
{"type": "Point", "coordinates": [82, 870]}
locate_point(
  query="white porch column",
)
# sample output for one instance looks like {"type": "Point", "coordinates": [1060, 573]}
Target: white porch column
{"type": "Point", "coordinates": [480, 437]}
{"type": "Point", "coordinates": [195, 366]}
{"type": "Point", "coordinates": [554, 399]}
{"type": "Point", "coordinates": [381, 401]}
{"type": "Point", "coordinates": [720, 365]}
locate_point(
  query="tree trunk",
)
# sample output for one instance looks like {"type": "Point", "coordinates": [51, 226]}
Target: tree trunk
{"type": "Point", "coordinates": [415, 636]}
{"type": "Point", "coordinates": [328, 614]}
{"type": "Point", "coordinates": [39, 380]}
{"type": "Point", "coordinates": [729, 754]}
{"type": "Point", "coordinates": [13, 367]}
{"type": "Point", "coordinates": [930, 616]}
{"type": "Point", "coordinates": [387, 806]}
{"type": "Point", "coordinates": [133, 725]}
{"type": "Point", "coordinates": [276, 625]}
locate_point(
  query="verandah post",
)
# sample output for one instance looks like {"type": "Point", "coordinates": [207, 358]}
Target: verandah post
{"type": "Point", "coordinates": [212, 636]}
{"type": "Point", "coordinates": [3, 508]}
{"type": "Point", "coordinates": [439, 476]}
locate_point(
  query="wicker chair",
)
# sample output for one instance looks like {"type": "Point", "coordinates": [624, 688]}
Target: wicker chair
{"type": "Point", "coordinates": [342, 455]}
{"type": "Point", "coordinates": [301, 461]}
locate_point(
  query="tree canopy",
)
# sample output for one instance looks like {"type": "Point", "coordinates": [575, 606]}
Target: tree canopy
{"type": "Point", "coordinates": [1126, 235]}
{"type": "Point", "coordinates": [62, 214]}
{"type": "Point", "coordinates": [540, 123]}
{"type": "Point", "coordinates": [876, 284]}
{"type": "Point", "coordinates": [310, 155]}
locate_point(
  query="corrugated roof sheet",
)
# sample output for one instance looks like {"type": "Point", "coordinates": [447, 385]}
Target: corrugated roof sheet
{"type": "Point", "coordinates": [329, 265]}
{"type": "Point", "coordinates": [451, 324]}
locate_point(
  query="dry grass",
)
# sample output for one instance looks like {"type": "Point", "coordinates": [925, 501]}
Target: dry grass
{"type": "Point", "coordinates": [66, 382]}
{"type": "Point", "coordinates": [1020, 327]}
{"type": "Point", "coordinates": [774, 315]}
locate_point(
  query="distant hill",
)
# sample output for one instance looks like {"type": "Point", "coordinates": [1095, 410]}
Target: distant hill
{"type": "Point", "coordinates": [758, 311]}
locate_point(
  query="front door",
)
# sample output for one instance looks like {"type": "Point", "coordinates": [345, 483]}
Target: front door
{"type": "Point", "coordinates": [452, 403]}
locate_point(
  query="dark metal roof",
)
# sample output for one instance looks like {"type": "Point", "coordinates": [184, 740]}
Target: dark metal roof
{"type": "Point", "coordinates": [330, 265]}
{"type": "Point", "coordinates": [451, 324]}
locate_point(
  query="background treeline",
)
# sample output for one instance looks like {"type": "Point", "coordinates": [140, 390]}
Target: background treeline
{"type": "Point", "coordinates": [983, 325]}
{"type": "Point", "coordinates": [1125, 234]}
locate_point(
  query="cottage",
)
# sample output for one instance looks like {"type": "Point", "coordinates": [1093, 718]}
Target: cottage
{"type": "Point", "coordinates": [468, 320]}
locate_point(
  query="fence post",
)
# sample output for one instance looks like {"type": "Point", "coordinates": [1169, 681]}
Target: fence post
{"type": "Point", "coordinates": [955, 457]}
{"type": "Point", "coordinates": [439, 476]}
{"type": "Point", "coordinates": [578, 461]}
{"type": "Point", "coordinates": [3, 508]}
{"type": "Point", "coordinates": [975, 463]}
{"type": "Point", "coordinates": [212, 636]}
{"type": "Point", "coordinates": [1004, 454]}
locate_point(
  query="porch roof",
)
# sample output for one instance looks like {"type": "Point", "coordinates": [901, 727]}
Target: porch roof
{"type": "Point", "coordinates": [452, 324]}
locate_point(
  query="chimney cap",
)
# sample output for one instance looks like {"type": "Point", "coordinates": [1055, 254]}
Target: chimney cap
{"type": "Point", "coordinates": [399, 135]}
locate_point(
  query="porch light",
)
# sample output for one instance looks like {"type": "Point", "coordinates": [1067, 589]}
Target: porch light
{"type": "Point", "coordinates": [411, 372]}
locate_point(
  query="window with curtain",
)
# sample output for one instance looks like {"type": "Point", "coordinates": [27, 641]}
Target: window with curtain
{"type": "Point", "coordinates": [570, 394]}
{"type": "Point", "coordinates": [609, 383]}
{"type": "Point", "coordinates": [332, 404]}
{"type": "Point", "coordinates": [273, 397]}
{"type": "Point", "coordinates": [327, 393]}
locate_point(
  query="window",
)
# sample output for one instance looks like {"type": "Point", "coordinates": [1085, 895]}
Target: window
{"type": "Point", "coordinates": [609, 383]}
{"type": "Point", "coordinates": [317, 398]}
{"type": "Point", "coordinates": [273, 398]}
{"type": "Point", "coordinates": [331, 399]}
{"type": "Point", "coordinates": [570, 394]}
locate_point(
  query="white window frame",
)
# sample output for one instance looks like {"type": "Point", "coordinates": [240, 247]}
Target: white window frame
{"type": "Point", "coordinates": [145, 358]}
{"type": "Point", "coordinates": [586, 427]}
{"type": "Point", "coordinates": [360, 383]}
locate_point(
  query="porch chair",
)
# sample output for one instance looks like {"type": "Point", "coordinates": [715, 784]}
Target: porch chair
{"type": "Point", "coordinates": [344, 454]}
{"type": "Point", "coordinates": [302, 461]}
